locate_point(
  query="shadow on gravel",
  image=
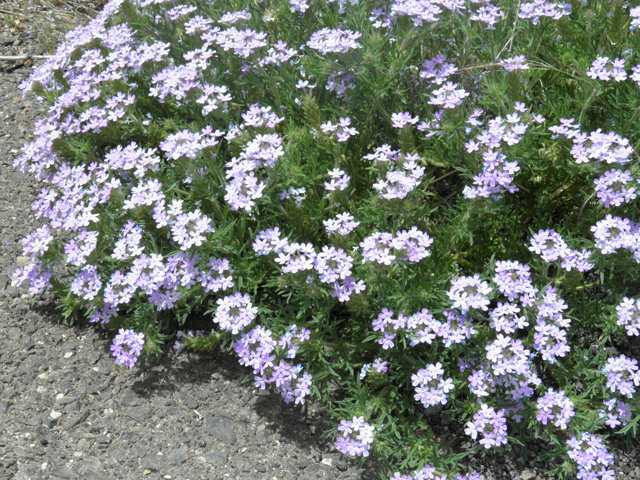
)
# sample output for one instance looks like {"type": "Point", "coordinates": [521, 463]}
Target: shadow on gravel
{"type": "Point", "coordinates": [218, 374]}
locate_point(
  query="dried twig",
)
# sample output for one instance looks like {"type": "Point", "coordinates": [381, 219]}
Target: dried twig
{"type": "Point", "coordinates": [23, 57]}
{"type": "Point", "coordinates": [9, 12]}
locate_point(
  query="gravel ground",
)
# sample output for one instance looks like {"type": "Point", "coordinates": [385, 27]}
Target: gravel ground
{"type": "Point", "coordinates": [68, 411]}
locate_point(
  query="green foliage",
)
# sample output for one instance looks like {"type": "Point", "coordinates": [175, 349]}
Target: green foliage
{"type": "Point", "coordinates": [470, 232]}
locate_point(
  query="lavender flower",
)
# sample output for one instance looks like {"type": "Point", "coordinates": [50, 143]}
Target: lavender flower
{"type": "Point", "coordinates": [409, 245]}
{"type": "Point", "coordinates": [380, 366]}
{"type": "Point", "coordinates": [37, 243]}
{"type": "Point", "coordinates": [339, 180]}
{"type": "Point", "coordinates": [491, 425]}
{"type": "Point", "coordinates": [296, 257]}
{"type": "Point", "coordinates": [430, 385]}
{"type": "Point", "coordinates": [127, 347]}
{"type": "Point", "coordinates": [616, 413]}
{"type": "Point", "coordinates": [622, 375]}
{"type": "Point", "coordinates": [611, 188]}
{"type": "Point", "coordinates": [448, 96]}
{"type": "Point", "coordinates": [591, 456]}
{"type": "Point", "coordinates": [555, 406]}
{"type": "Point", "coordinates": [489, 14]}
{"type": "Point", "coordinates": [356, 438]}
{"type": "Point", "coordinates": [612, 233]}
{"type": "Point", "coordinates": [549, 245]}
{"type": "Point", "coordinates": [604, 69]}
{"type": "Point", "coordinates": [505, 318]}
{"type": "Point", "coordinates": [437, 69]}
{"type": "Point", "coordinates": [334, 41]}
{"type": "Point", "coordinates": [543, 8]}
{"type": "Point", "coordinates": [343, 224]}
{"type": "Point", "coordinates": [342, 130]}
{"type": "Point", "coordinates": [333, 264]}
{"type": "Point", "coordinates": [629, 315]}
{"type": "Point", "coordinates": [403, 118]}
{"type": "Point", "coordinates": [87, 283]}
{"type": "Point", "coordinates": [469, 292]}
{"type": "Point", "coordinates": [235, 312]}
{"type": "Point", "coordinates": [268, 241]}
{"type": "Point", "coordinates": [515, 63]}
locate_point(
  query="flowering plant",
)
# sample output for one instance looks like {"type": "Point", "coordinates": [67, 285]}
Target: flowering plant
{"type": "Point", "coordinates": [442, 190]}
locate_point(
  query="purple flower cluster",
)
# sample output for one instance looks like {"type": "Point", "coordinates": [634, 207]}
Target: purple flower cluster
{"type": "Point", "coordinates": [430, 473]}
{"type": "Point", "coordinates": [342, 130]}
{"type": "Point", "coordinates": [299, 5]}
{"type": "Point", "coordinates": [550, 338]}
{"type": "Point", "coordinates": [489, 14]}
{"type": "Point", "coordinates": [37, 243]}
{"type": "Point", "coordinates": [497, 173]}
{"type": "Point", "coordinates": [231, 18]}
{"type": "Point", "coordinates": [268, 241]}
{"type": "Point", "coordinates": [263, 150]}
{"type": "Point", "coordinates": [604, 69]}
{"type": "Point", "coordinates": [616, 413]}
{"type": "Point", "coordinates": [430, 385]}
{"type": "Point", "coordinates": [37, 276]}
{"type": "Point", "coordinates": [591, 456]}
{"type": "Point", "coordinates": [615, 232]}
{"type": "Point", "coordinates": [87, 283]}
{"type": "Point", "coordinates": [343, 224]}
{"type": "Point", "coordinates": [79, 248]}
{"type": "Point", "coordinates": [602, 147]}
{"type": "Point", "coordinates": [611, 188]}
{"type": "Point", "coordinates": [469, 292]}
{"type": "Point", "coordinates": [383, 155]}
{"type": "Point", "coordinates": [437, 69]}
{"type": "Point", "coordinates": [634, 13]}
{"type": "Point", "coordinates": [399, 184]}
{"type": "Point", "coordinates": [334, 41]}
{"type": "Point", "coordinates": [258, 349]}
{"type": "Point", "coordinates": [407, 245]}
{"type": "Point", "coordinates": [421, 327]}
{"type": "Point", "coordinates": [543, 8]}
{"type": "Point", "coordinates": [551, 247]}
{"type": "Point", "coordinates": [356, 437]}
{"type": "Point", "coordinates": [128, 244]}
{"type": "Point", "coordinates": [629, 315]}
{"type": "Point", "coordinates": [333, 264]}
{"type": "Point", "coordinates": [507, 356]}
{"type": "Point", "coordinates": [513, 280]}
{"type": "Point", "coordinates": [242, 42]}
{"type": "Point", "coordinates": [491, 425]}
{"type": "Point", "coordinates": [432, 127]}
{"type": "Point", "coordinates": [505, 318]}
{"type": "Point", "coordinates": [188, 144]}
{"type": "Point", "coordinates": [339, 180]}
{"type": "Point", "coordinates": [214, 279]}
{"type": "Point", "coordinates": [448, 96]}
{"type": "Point", "coordinates": [518, 62]}
{"type": "Point", "coordinates": [296, 257]}
{"type": "Point", "coordinates": [127, 347]}
{"type": "Point", "coordinates": [400, 120]}
{"type": "Point", "coordinates": [555, 406]}
{"type": "Point", "coordinates": [622, 375]}
{"type": "Point", "coordinates": [424, 10]}
{"type": "Point", "coordinates": [235, 313]}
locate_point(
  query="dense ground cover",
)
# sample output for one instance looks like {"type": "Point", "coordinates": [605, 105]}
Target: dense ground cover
{"type": "Point", "coordinates": [423, 204]}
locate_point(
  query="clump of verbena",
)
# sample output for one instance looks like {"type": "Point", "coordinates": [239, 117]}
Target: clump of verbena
{"type": "Point", "coordinates": [430, 205]}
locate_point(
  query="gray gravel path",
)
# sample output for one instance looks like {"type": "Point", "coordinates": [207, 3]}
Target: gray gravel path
{"type": "Point", "coordinates": [68, 411]}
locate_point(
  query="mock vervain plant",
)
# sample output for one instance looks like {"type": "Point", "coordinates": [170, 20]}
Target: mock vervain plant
{"type": "Point", "coordinates": [423, 204]}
